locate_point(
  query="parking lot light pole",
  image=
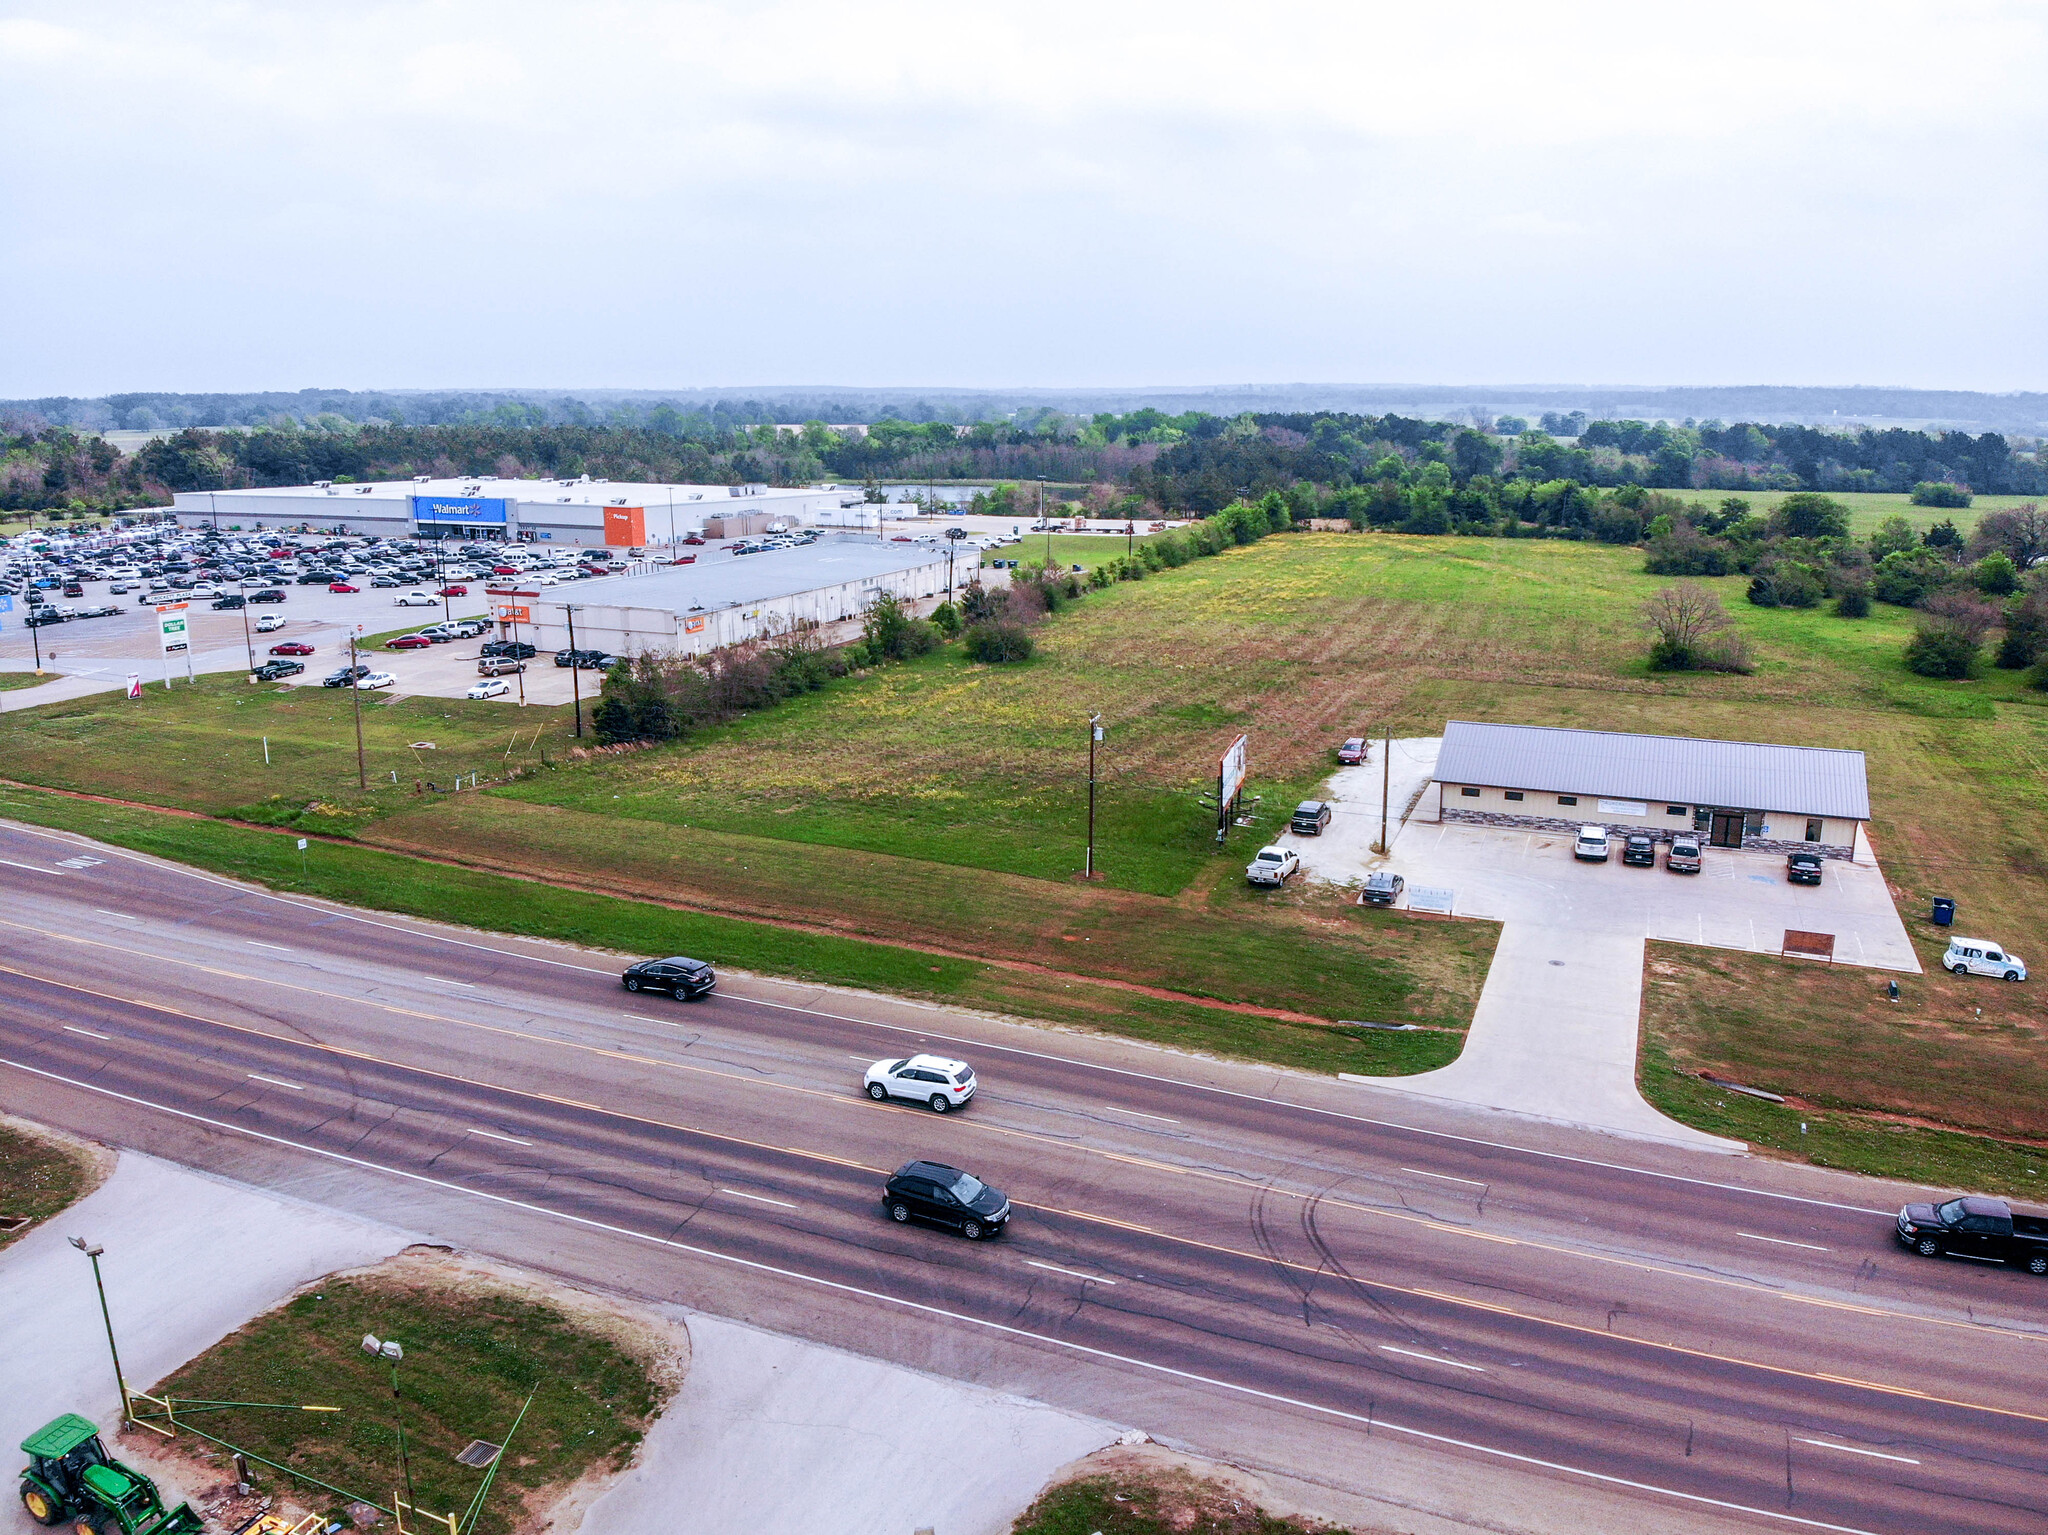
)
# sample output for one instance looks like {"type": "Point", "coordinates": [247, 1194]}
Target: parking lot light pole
{"type": "Point", "coordinates": [356, 693]}
{"type": "Point", "coordinates": [1094, 738]}
{"type": "Point", "coordinates": [575, 682]}
{"type": "Point", "coordinates": [1386, 784]}
{"type": "Point", "coordinates": [93, 1250]}
{"type": "Point", "coordinates": [248, 639]}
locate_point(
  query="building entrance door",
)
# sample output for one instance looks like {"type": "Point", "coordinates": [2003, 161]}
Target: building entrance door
{"type": "Point", "coordinates": [1727, 829]}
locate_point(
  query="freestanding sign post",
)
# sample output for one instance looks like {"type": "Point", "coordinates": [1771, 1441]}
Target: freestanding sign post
{"type": "Point", "coordinates": [174, 629]}
{"type": "Point", "coordinates": [1230, 774]}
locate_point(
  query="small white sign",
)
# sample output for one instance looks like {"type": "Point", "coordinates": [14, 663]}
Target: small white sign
{"type": "Point", "coordinates": [1622, 807]}
{"type": "Point", "coordinates": [1431, 898]}
{"type": "Point", "coordinates": [302, 844]}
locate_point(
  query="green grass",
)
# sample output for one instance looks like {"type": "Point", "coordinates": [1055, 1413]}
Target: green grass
{"type": "Point", "coordinates": [12, 680]}
{"type": "Point", "coordinates": [1151, 1502]}
{"type": "Point", "coordinates": [1868, 508]}
{"type": "Point", "coordinates": [39, 1176]}
{"type": "Point", "coordinates": [1084, 549]}
{"type": "Point", "coordinates": [473, 1352]}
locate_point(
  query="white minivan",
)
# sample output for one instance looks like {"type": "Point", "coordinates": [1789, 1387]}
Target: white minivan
{"type": "Point", "coordinates": [1975, 956]}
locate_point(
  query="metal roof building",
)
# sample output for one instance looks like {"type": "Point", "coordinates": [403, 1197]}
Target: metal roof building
{"type": "Point", "coordinates": [1735, 793]}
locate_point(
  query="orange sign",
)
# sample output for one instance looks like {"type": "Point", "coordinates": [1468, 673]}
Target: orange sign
{"type": "Point", "coordinates": [507, 613]}
{"type": "Point", "coordinates": [625, 526]}
{"type": "Point", "coordinates": [693, 626]}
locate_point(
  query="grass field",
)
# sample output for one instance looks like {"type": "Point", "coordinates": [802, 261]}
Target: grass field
{"type": "Point", "coordinates": [1868, 508]}
{"type": "Point", "coordinates": [473, 1352]}
{"type": "Point", "coordinates": [1153, 1502]}
{"type": "Point", "coordinates": [1084, 549]}
{"type": "Point", "coordinates": [40, 1175]}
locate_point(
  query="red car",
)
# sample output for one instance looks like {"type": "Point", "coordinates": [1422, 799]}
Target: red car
{"type": "Point", "coordinates": [342, 586]}
{"type": "Point", "coordinates": [693, 539]}
{"type": "Point", "coordinates": [408, 642]}
{"type": "Point", "coordinates": [684, 559]}
{"type": "Point", "coordinates": [292, 648]}
{"type": "Point", "coordinates": [504, 570]}
{"type": "Point", "coordinates": [453, 591]}
{"type": "Point", "coordinates": [1352, 752]}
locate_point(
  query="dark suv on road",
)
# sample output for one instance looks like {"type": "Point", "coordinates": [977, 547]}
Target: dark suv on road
{"type": "Point", "coordinates": [684, 979]}
{"type": "Point", "coordinates": [945, 1196]}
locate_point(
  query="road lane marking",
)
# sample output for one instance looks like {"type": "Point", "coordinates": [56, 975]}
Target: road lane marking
{"type": "Point", "coordinates": [638, 1018]}
{"type": "Point", "coordinates": [1071, 1273]}
{"type": "Point", "coordinates": [1374, 1423]}
{"type": "Point", "coordinates": [335, 910]}
{"type": "Point", "coordinates": [494, 1136]}
{"type": "Point", "coordinates": [1424, 1173]}
{"type": "Point", "coordinates": [443, 981]}
{"type": "Point", "coordinates": [33, 868]}
{"type": "Point", "coordinates": [1120, 1109]}
{"type": "Point", "coordinates": [262, 945]}
{"type": "Point", "coordinates": [761, 1198]}
{"type": "Point", "coordinates": [72, 1028]}
{"type": "Point", "coordinates": [274, 1082]}
{"type": "Point", "coordinates": [1812, 1247]}
{"type": "Point", "coordinates": [1409, 1353]}
{"type": "Point", "coordinates": [121, 914]}
{"type": "Point", "coordinates": [1850, 1449]}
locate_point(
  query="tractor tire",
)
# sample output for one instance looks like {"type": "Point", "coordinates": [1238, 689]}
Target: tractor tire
{"type": "Point", "coordinates": [85, 1524]}
{"type": "Point", "coordinates": [40, 1505]}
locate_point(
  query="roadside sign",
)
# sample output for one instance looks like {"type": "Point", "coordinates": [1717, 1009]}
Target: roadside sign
{"type": "Point", "coordinates": [172, 626]}
{"type": "Point", "coordinates": [1231, 772]}
{"type": "Point", "coordinates": [135, 684]}
{"type": "Point", "coordinates": [302, 844]}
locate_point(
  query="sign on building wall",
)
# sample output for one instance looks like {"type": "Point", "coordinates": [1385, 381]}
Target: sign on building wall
{"type": "Point", "coordinates": [625, 526]}
{"type": "Point", "coordinates": [488, 511]}
{"type": "Point", "coordinates": [1622, 807]}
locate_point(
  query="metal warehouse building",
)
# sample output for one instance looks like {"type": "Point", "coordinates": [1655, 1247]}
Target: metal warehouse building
{"type": "Point", "coordinates": [691, 609]}
{"type": "Point", "coordinates": [1778, 799]}
{"type": "Point", "coordinates": [574, 512]}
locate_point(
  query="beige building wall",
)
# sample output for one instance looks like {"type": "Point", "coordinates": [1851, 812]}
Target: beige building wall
{"type": "Point", "coordinates": [1489, 805]}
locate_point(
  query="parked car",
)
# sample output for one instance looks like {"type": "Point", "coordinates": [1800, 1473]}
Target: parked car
{"type": "Point", "coordinates": [588, 660]}
{"type": "Point", "coordinates": [469, 628]}
{"type": "Point", "coordinates": [385, 581]}
{"type": "Point", "coordinates": [270, 671]}
{"type": "Point", "coordinates": [930, 1079]}
{"type": "Point", "coordinates": [1640, 849]}
{"type": "Point", "coordinates": [105, 610]}
{"type": "Point", "coordinates": [74, 589]}
{"type": "Point", "coordinates": [268, 594]}
{"type": "Point", "coordinates": [489, 688]}
{"type": "Point", "coordinates": [1975, 1227]}
{"type": "Point", "coordinates": [693, 539]}
{"type": "Point", "coordinates": [342, 586]}
{"type": "Point", "coordinates": [1381, 888]}
{"type": "Point", "coordinates": [39, 617]}
{"type": "Point", "coordinates": [499, 666]}
{"type": "Point", "coordinates": [932, 1191]}
{"type": "Point", "coordinates": [684, 979]}
{"type": "Point", "coordinates": [1591, 844]}
{"type": "Point", "coordinates": [229, 601]}
{"type": "Point", "coordinates": [454, 591]}
{"type": "Point", "coordinates": [292, 648]}
{"type": "Point", "coordinates": [512, 650]}
{"type": "Point", "coordinates": [1272, 866]}
{"type": "Point", "coordinates": [1352, 752]}
{"type": "Point", "coordinates": [377, 680]}
{"type": "Point", "coordinates": [270, 623]}
{"type": "Point", "coordinates": [441, 634]}
{"type": "Point", "coordinates": [1309, 818]}
{"type": "Point", "coordinates": [343, 677]}
{"type": "Point", "coordinates": [408, 642]}
{"type": "Point", "coordinates": [1976, 956]}
{"type": "Point", "coordinates": [1684, 856]}
{"type": "Point", "coordinates": [1803, 868]}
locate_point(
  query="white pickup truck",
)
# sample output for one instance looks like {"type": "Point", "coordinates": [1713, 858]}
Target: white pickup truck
{"type": "Point", "coordinates": [1272, 866]}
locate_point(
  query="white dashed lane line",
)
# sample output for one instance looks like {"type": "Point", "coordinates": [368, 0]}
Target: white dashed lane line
{"type": "Point", "coordinates": [1812, 1247]}
{"type": "Point", "coordinates": [1850, 1449]}
{"type": "Point", "coordinates": [274, 1082]}
{"type": "Point", "coordinates": [758, 1198]}
{"type": "Point", "coordinates": [1409, 1353]}
{"type": "Point", "coordinates": [1071, 1273]}
{"type": "Point", "coordinates": [493, 1135]}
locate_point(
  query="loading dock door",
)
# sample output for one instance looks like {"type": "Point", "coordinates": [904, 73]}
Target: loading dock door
{"type": "Point", "coordinates": [1727, 830]}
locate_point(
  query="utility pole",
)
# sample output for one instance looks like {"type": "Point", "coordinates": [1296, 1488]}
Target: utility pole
{"type": "Point", "coordinates": [1042, 522]}
{"type": "Point", "coordinates": [1130, 537]}
{"type": "Point", "coordinates": [1094, 737]}
{"type": "Point", "coordinates": [93, 1250]}
{"type": "Point", "coordinates": [355, 692]}
{"type": "Point", "coordinates": [1386, 784]}
{"type": "Point", "coordinates": [248, 640]}
{"type": "Point", "coordinates": [575, 682]}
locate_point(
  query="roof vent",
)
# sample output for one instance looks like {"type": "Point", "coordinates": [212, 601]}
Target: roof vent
{"type": "Point", "coordinates": [322, 484]}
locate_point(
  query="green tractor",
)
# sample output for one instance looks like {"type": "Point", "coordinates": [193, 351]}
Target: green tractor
{"type": "Point", "coordinates": [71, 1479]}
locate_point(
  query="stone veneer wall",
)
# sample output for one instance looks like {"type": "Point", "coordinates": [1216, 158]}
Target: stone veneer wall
{"type": "Point", "coordinates": [1554, 823]}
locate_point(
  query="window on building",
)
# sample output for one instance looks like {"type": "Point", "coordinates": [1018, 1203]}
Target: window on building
{"type": "Point", "coordinates": [1514, 793]}
{"type": "Point", "coordinates": [1813, 828]}
{"type": "Point", "coordinates": [1567, 799]}
{"type": "Point", "coordinates": [1469, 793]}
{"type": "Point", "coordinates": [1676, 810]}
{"type": "Point", "coordinates": [1752, 823]}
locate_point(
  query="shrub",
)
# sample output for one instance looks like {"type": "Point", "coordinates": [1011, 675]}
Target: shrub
{"type": "Point", "coordinates": [1690, 631]}
{"type": "Point", "coordinates": [1805, 514]}
{"type": "Point", "coordinates": [1939, 493]}
{"type": "Point", "coordinates": [1893, 535]}
{"type": "Point", "coordinates": [1854, 602]}
{"type": "Point", "coordinates": [1787, 584]}
{"type": "Point", "coordinates": [946, 619]}
{"type": "Point", "coordinates": [1950, 634]}
{"type": "Point", "coordinates": [1683, 551]}
{"type": "Point", "coordinates": [2025, 640]}
{"type": "Point", "coordinates": [891, 634]}
{"type": "Point", "coordinates": [1905, 578]}
{"type": "Point", "coordinates": [1995, 575]}
{"type": "Point", "coordinates": [999, 642]}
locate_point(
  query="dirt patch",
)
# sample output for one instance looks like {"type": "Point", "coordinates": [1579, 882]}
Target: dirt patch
{"type": "Point", "coordinates": [1147, 1489]}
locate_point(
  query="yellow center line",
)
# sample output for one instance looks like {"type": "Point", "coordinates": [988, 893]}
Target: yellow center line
{"type": "Point", "coordinates": [1375, 1212]}
{"type": "Point", "coordinates": [807, 1154]}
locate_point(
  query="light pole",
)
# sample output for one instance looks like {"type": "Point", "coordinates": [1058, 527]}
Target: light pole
{"type": "Point", "coordinates": [387, 1349]}
{"type": "Point", "coordinates": [248, 640]}
{"type": "Point", "coordinates": [1094, 737]}
{"type": "Point", "coordinates": [1386, 784]}
{"type": "Point", "coordinates": [1042, 522]}
{"type": "Point", "coordinates": [575, 682]}
{"type": "Point", "coordinates": [93, 1250]}
{"type": "Point", "coordinates": [355, 692]}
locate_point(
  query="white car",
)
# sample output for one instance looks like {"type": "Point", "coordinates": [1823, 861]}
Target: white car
{"type": "Point", "coordinates": [377, 680]}
{"type": "Point", "coordinates": [930, 1079]}
{"type": "Point", "coordinates": [269, 623]}
{"type": "Point", "coordinates": [490, 687]}
{"type": "Point", "coordinates": [416, 600]}
{"type": "Point", "coordinates": [1977, 956]}
{"type": "Point", "coordinates": [1591, 844]}
{"type": "Point", "coordinates": [1272, 866]}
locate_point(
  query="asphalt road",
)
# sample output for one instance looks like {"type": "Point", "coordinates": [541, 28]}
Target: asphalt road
{"type": "Point", "coordinates": [1268, 1266]}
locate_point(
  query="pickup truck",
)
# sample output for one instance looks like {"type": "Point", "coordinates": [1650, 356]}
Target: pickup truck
{"type": "Point", "coordinates": [1975, 1227]}
{"type": "Point", "coordinates": [1272, 866]}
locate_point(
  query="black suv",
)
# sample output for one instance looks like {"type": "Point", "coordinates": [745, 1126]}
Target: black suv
{"type": "Point", "coordinates": [513, 650]}
{"type": "Point", "coordinates": [344, 677]}
{"type": "Point", "coordinates": [684, 979]}
{"type": "Point", "coordinates": [588, 660]}
{"type": "Point", "coordinates": [268, 594]}
{"type": "Point", "coordinates": [1803, 868]}
{"type": "Point", "coordinates": [1309, 819]}
{"type": "Point", "coordinates": [1640, 849]}
{"type": "Point", "coordinates": [932, 1191]}
{"type": "Point", "coordinates": [228, 601]}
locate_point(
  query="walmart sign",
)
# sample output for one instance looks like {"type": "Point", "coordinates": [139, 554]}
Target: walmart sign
{"type": "Point", "coordinates": [462, 509]}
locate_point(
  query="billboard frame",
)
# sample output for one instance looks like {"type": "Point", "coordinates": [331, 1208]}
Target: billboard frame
{"type": "Point", "coordinates": [1230, 776]}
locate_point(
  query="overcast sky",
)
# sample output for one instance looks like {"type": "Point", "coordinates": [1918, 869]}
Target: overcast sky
{"type": "Point", "coordinates": [238, 196]}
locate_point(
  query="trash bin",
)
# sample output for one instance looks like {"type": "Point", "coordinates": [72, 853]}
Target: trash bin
{"type": "Point", "coordinates": [1944, 911]}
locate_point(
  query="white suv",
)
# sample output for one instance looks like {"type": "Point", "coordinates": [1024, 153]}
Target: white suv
{"type": "Point", "coordinates": [1975, 956]}
{"type": "Point", "coordinates": [932, 1079]}
{"type": "Point", "coordinates": [1591, 844]}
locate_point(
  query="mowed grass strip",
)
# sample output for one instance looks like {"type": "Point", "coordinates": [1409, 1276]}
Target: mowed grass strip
{"type": "Point", "coordinates": [383, 881]}
{"type": "Point", "coordinates": [474, 1350]}
{"type": "Point", "coordinates": [40, 1175]}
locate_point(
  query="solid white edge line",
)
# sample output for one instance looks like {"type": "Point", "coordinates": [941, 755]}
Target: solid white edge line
{"type": "Point", "coordinates": [1422, 1172]}
{"type": "Point", "coordinates": [1602, 1477]}
{"type": "Point", "coordinates": [72, 1028]}
{"type": "Point", "coordinates": [1409, 1353]}
{"type": "Point", "coordinates": [338, 911]}
{"type": "Point", "coordinates": [762, 1198]}
{"type": "Point", "coordinates": [493, 1135]}
{"type": "Point", "coordinates": [296, 1087]}
{"type": "Point", "coordinates": [1070, 1273]}
{"type": "Point", "coordinates": [1813, 1247]}
{"type": "Point", "coordinates": [1850, 1449]}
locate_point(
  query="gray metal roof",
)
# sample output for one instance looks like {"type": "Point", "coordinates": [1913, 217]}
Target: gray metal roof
{"type": "Point", "coordinates": [1745, 775]}
{"type": "Point", "coordinates": [723, 583]}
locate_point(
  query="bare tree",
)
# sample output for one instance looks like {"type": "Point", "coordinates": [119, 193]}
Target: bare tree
{"type": "Point", "coordinates": [1691, 631]}
{"type": "Point", "coordinates": [2021, 533]}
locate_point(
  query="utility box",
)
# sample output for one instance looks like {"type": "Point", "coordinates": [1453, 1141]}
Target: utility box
{"type": "Point", "coordinates": [1944, 911]}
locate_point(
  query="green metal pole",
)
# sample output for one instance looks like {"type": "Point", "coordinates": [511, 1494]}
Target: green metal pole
{"type": "Point", "coordinates": [106, 1316]}
{"type": "Point", "coordinates": [404, 1462]}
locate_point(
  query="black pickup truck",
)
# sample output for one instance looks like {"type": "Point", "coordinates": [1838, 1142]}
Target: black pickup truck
{"type": "Point", "coordinates": [1975, 1227]}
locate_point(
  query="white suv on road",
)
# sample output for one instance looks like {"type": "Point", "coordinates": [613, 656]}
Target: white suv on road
{"type": "Point", "coordinates": [932, 1079]}
{"type": "Point", "coordinates": [1976, 956]}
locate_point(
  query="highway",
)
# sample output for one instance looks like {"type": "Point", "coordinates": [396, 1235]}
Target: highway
{"type": "Point", "coordinates": [1326, 1280]}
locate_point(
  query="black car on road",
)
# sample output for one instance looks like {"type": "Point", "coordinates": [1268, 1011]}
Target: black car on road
{"type": "Point", "coordinates": [268, 594]}
{"type": "Point", "coordinates": [516, 650]}
{"type": "Point", "coordinates": [1309, 818]}
{"type": "Point", "coordinates": [586, 660]}
{"type": "Point", "coordinates": [229, 601]}
{"type": "Point", "coordinates": [945, 1196]}
{"type": "Point", "coordinates": [684, 979]}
